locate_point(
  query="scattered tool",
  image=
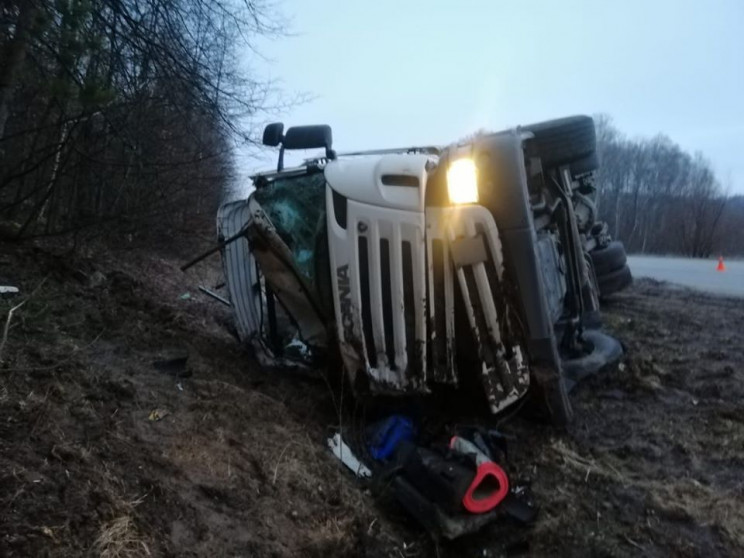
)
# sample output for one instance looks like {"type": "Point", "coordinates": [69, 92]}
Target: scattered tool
{"type": "Point", "coordinates": [157, 415]}
{"type": "Point", "coordinates": [220, 246]}
{"type": "Point", "coordinates": [440, 478]}
{"type": "Point", "coordinates": [450, 488]}
{"type": "Point", "coordinates": [347, 457]}
{"type": "Point", "coordinates": [388, 433]}
{"type": "Point", "coordinates": [460, 487]}
{"type": "Point", "coordinates": [214, 295]}
{"type": "Point", "coordinates": [489, 486]}
{"type": "Point", "coordinates": [8, 291]}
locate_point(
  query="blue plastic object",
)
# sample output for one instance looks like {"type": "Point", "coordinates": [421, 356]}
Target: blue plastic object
{"type": "Point", "coordinates": [388, 433]}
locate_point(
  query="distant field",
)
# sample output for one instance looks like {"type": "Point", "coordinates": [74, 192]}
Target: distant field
{"type": "Point", "coordinates": [698, 274]}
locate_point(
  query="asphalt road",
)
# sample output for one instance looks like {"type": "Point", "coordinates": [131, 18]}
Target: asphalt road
{"type": "Point", "coordinates": [698, 274]}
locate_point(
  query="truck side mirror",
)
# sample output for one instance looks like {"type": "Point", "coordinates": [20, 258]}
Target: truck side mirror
{"type": "Point", "coordinates": [272, 134]}
{"type": "Point", "coordinates": [308, 137]}
{"type": "Point", "coordinates": [298, 137]}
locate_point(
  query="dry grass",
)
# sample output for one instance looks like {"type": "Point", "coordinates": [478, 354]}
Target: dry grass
{"type": "Point", "coordinates": [681, 497]}
{"type": "Point", "coordinates": [334, 535]}
{"type": "Point", "coordinates": [706, 506]}
{"type": "Point", "coordinates": [119, 538]}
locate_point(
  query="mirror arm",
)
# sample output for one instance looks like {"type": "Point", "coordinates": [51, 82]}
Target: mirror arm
{"type": "Point", "coordinates": [280, 163]}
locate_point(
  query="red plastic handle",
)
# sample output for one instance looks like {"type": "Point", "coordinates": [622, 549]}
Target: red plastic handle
{"type": "Point", "coordinates": [487, 503]}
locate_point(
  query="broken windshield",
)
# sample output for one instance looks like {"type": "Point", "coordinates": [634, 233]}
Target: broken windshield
{"type": "Point", "coordinates": [296, 207]}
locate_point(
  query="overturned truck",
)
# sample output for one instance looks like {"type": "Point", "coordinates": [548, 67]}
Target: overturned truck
{"type": "Point", "coordinates": [479, 263]}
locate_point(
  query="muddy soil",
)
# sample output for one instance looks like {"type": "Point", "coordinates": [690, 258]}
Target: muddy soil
{"type": "Point", "coordinates": [104, 454]}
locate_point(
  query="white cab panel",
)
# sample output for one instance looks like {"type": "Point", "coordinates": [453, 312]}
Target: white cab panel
{"type": "Point", "coordinates": [395, 181]}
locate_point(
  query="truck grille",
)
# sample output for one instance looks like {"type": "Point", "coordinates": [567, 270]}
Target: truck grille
{"type": "Point", "coordinates": [406, 275]}
{"type": "Point", "coordinates": [388, 270]}
{"type": "Point", "coordinates": [441, 312]}
{"type": "Point", "coordinates": [465, 269]}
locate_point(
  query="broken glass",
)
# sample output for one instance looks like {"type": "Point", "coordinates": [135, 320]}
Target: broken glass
{"type": "Point", "coordinates": [295, 205]}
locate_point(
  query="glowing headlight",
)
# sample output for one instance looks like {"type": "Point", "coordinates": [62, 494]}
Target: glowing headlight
{"type": "Point", "coordinates": [462, 181]}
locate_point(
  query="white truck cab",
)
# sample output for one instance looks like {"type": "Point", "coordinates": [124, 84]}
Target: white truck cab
{"type": "Point", "coordinates": [395, 260]}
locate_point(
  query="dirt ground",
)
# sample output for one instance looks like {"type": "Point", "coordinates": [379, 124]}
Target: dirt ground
{"type": "Point", "coordinates": [103, 454]}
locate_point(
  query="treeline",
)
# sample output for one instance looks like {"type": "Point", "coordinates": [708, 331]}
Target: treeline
{"type": "Point", "coordinates": [118, 117]}
{"type": "Point", "coordinates": [659, 199]}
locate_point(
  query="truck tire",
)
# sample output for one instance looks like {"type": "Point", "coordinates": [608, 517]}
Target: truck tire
{"type": "Point", "coordinates": [604, 350]}
{"type": "Point", "coordinates": [585, 165]}
{"type": "Point", "coordinates": [614, 282]}
{"type": "Point", "coordinates": [608, 259]}
{"type": "Point", "coordinates": [562, 141]}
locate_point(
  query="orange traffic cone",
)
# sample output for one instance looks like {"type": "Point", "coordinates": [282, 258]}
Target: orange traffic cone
{"type": "Point", "coordinates": [720, 266]}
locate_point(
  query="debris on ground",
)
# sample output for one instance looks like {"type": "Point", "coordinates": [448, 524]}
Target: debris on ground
{"type": "Point", "coordinates": [346, 456]}
{"type": "Point", "coordinates": [387, 434]}
{"type": "Point", "coordinates": [96, 280]}
{"type": "Point", "coordinates": [157, 414]}
{"type": "Point", "coordinates": [214, 295]}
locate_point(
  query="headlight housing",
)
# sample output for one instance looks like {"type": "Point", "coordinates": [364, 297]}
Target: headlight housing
{"type": "Point", "coordinates": [462, 181]}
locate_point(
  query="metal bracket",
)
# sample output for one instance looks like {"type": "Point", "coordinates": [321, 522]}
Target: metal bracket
{"type": "Point", "coordinates": [468, 251]}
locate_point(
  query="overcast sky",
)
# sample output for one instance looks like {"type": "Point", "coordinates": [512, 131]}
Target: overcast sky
{"type": "Point", "coordinates": [390, 73]}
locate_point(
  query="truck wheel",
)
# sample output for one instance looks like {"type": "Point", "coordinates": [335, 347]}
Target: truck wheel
{"type": "Point", "coordinates": [608, 259]}
{"type": "Point", "coordinates": [565, 140]}
{"type": "Point", "coordinates": [585, 165]}
{"type": "Point", "coordinates": [601, 235]}
{"type": "Point", "coordinates": [604, 350]}
{"type": "Point", "coordinates": [615, 281]}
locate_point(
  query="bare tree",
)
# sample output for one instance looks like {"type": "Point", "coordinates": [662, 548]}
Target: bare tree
{"type": "Point", "coordinates": [656, 197]}
{"type": "Point", "coordinates": [13, 52]}
{"type": "Point", "coordinates": [122, 115]}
